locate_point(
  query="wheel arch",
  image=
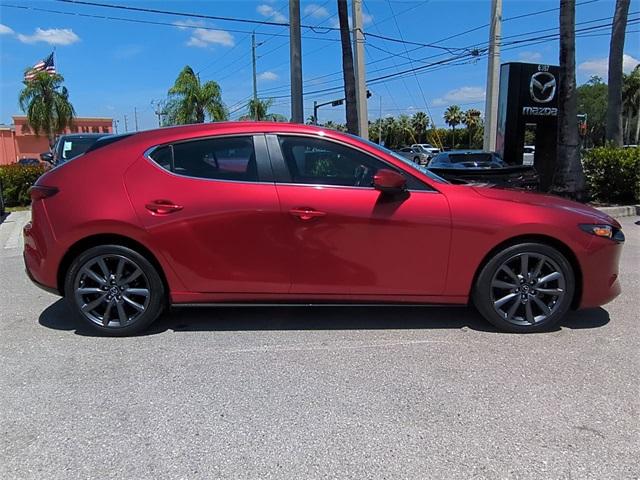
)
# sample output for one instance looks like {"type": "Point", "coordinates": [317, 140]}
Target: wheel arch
{"type": "Point", "coordinates": [543, 239]}
{"type": "Point", "coordinates": [107, 239]}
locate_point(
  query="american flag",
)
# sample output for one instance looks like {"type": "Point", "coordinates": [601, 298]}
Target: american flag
{"type": "Point", "coordinates": [45, 65]}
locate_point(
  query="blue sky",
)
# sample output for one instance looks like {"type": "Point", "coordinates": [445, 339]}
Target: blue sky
{"type": "Point", "coordinates": [112, 66]}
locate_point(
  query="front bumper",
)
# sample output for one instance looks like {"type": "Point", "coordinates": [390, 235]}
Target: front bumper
{"type": "Point", "coordinates": [600, 273]}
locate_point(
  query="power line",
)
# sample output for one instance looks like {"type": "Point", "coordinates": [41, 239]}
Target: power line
{"type": "Point", "coordinates": [152, 22]}
{"type": "Point", "coordinates": [187, 14]}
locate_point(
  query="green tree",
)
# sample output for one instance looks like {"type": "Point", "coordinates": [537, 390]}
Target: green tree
{"type": "Point", "coordinates": [258, 109]}
{"type": "Point", "coordinates": [592, 101]}
{"type": "Point", "coordinates": [420, 123]}
{"type": "Point", "coordinates": [190, 101]}
{"type": "Point", "coordinates": [46, 102]}
{"type": "Point", "coordinates": [453, 117]}
{"type": "Point", "coordinates": [616, 50]}
{"type": "Point", "coordinates": [631, 104]}
{"type": "Point", "coordinates": [471, 118]}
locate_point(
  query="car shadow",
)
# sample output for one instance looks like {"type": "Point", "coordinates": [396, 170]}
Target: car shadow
{"type": "Point", "coordinates": [58, 316]}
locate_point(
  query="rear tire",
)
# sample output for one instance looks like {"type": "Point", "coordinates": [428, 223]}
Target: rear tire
{"type": "Point", "coordinates": [525, 288]}
{"type": "Point", "coordinates": [114, 290]}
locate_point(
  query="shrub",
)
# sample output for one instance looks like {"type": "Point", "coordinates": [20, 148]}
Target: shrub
{"type": "Point", "coordinates": [613, 174]}
{"type": "Point", "coordinates": [16, 180]}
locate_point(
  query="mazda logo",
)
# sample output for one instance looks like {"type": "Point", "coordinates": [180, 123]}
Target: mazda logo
{"type": "Point", "coordinates": [542, 87]}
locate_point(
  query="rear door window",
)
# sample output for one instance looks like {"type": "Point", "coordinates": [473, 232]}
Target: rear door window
{"type": "Point", "coordinates": [226, 158]}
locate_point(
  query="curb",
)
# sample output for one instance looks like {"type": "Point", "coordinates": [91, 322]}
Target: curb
{"type": "Point", "coordinates": [622, 211]}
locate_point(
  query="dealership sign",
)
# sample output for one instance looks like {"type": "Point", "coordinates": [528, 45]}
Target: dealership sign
{"type": "Point", "coordinates": [528, 99]}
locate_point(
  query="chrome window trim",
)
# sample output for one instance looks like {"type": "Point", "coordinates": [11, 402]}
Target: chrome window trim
{"type": "Point", "coordinates": [346, 145]}
{"type": "Point", "coordinates": [147, 156]}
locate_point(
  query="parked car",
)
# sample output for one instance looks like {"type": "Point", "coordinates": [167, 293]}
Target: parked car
{"type": "Point", "coordinates": [28, 162]}
{"type": "Point", "coordinates": [70, 146]}
{"type": "Point", "coordinates": [247, 212]}
{"type": "Point", "coordinates": [528, 154]}
{"type": "Point", "coordinates": [414, 154]}
{"type": "Point", "coordinates": [476, 166]}
{"type": "Point", "coordinates": [427, 148]}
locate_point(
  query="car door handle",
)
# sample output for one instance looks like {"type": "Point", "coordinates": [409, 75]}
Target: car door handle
{"type": "Point", "coordinates": [306, 214]}
{"type": "Point", "coordinates": [162, 207]}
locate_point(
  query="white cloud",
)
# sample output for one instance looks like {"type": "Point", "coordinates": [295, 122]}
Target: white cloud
{"type": "Point", "coordinates": [271, 13]}
{"type": "Point", "coordinates": [52, 36]}
{"type": "Point", "coordinates": [600, 66]}
{"type": "Point", "coordinates": [460, 95]}
{"type": "Point", "coordinates": [203, 37]}
{"type": "Point", "coordinates": [531, 57]}
{"type": "Point", "coordinates": [4, 30]}
{"type": "Point", "coordinates": [184, 24]}
{"type": "Point", "coordinates": [268, 76]}
{"type": "Point", "coordinates": [366, 20]}
{"type": "Point", "coordinates": [315, 11]}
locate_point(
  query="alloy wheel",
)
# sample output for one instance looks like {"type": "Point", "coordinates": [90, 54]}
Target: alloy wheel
{"type": "Point", "coordinates": [111, 290]}
{"type": "Point", "coordinates": [527, 288]}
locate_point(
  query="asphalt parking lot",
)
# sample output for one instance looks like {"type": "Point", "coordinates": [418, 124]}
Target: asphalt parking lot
{"type": "Point", "coordinates": [301, 393]}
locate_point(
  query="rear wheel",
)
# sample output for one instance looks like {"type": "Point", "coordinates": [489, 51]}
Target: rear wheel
{"type": "Point", "coordinates": [115, 290]}
{"type": "Point", "coordinates": [525, 288]}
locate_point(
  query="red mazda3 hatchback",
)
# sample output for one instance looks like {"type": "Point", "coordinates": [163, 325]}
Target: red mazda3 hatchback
{"type": "Point", "coordinates": [282, 213]}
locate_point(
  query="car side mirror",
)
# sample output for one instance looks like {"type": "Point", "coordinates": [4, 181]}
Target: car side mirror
{"type": "Point", "coordinates": [389, 181]}
{"type": "Point", "coordinates": [46, 157]}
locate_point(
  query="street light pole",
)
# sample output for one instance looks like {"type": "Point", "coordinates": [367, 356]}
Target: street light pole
{"type": "Point", "coordinates": [493, 73]}
{"type": "Point", "coordinates": [359, 69]}
{"type": "Point", "coordinates": [295, 52]}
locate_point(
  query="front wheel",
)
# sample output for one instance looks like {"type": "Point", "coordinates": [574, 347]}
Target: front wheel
{"type": "Point", "coordinates": [114, 290]}
{"type": "Point", "coordinates": [525, 288]}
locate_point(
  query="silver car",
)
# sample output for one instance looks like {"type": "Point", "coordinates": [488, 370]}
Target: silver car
{"type": "Point", "coordinates": [415, 155]}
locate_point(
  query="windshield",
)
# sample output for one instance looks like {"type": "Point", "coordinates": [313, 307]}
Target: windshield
{"type": "Point", "coordinates": [405, 161]}
{"type": "Point", "coordinates": [72, 147]}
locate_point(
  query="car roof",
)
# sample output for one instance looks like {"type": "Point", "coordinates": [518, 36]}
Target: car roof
{"type": "Point", "coordinates": [84, 135]}
{"type": "Point", "coordinates": [185, 132]}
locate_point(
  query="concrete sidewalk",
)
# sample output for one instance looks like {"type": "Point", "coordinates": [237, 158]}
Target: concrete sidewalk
{"type": "Point", "coordinates": [11, 229]}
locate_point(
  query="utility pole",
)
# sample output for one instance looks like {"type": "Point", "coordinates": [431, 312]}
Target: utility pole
{"type": "Point", "coordinates": [493, 73]}
{"type": "Point", "coordinates": [295, 51]}
{"type": "Point", "coordinates": [135, 117]}
{"type": "Point", "coordinates": [126, 126]}
{"type": "Point", "coordinates": [380, 137]}
{"type": "Point", "coordinates": [115, 125]}
{"type": "Point", "coordinates": [158, 111]}
{"type": "Point", "coordinates": [361, 87]}
{"type": "Point", "coordinates": [253, 59]}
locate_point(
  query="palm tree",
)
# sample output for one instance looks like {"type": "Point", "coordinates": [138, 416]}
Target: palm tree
{"type": "Point", "coordinates": [616, 48]}
{"type": "Point", "coordinates": [568, 177]}
{"type": "Point", "coordinates": [347, 69]}
{"type": "Point", "coordinates": [406, 134]}
{"type": "Point", "coordinates": [471, 118]}
{"type": "Point", "coordinates": [631, 103]}
{"type": "Point", "coordinates": [259, 109]}
{"type": "Point", "coordinates": [46, 103]}
{"type": "Point", "coordinates": [453, 117]}
{"type": "Point", "coordinates": [420, 123]}
{"type": "Point", "coordinates": [191, 101]}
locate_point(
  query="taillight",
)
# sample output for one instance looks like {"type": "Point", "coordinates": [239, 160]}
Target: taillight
{"type": "Point", "coordinates": [39, 192]}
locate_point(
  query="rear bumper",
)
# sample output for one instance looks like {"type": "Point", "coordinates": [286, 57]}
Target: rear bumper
{"type": "Point", "coordinates": [41, 253]}
{"type": "Point", "coordinates": [600, 273]}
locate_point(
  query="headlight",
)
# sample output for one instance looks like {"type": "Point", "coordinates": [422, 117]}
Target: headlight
{"type": "Point", "coordinates": [603, 230]}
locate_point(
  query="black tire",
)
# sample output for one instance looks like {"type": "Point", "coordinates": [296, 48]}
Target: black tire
{"type": "Point", "coordinates": [491, 289]}
{"type": "Point", "coordinates": [137, 274]}
{"type": "Point", "coordinates": [416, 159]}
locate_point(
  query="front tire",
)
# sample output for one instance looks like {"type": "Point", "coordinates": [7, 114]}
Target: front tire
{"type": "Point", "coordinates": [114, 290]}
{"type": "Point", "coordinates": [525, 288]}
